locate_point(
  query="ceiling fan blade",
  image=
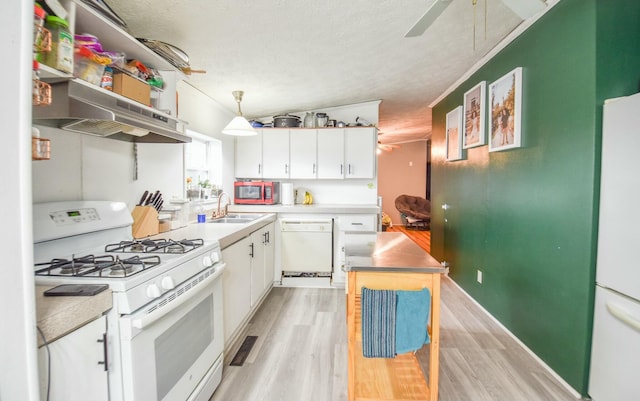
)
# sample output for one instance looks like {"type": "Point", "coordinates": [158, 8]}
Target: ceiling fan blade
{"type": "Point", "coordinates": [525, 8]}
{"type": "Point", "coordinates": [428, 18]}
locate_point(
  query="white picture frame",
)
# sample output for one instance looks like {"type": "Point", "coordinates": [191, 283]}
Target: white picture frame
{"type": "Point", "coordinates": [505, 109]}
{"type": "Point", "coordinates": [474, 112]}
{"type": "Point", "coordinates": [454, 134]}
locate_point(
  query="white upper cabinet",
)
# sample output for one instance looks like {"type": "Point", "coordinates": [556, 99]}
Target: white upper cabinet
{"type": "Point", "coordinates": [326, 153]}
{"type": "Point", "coordinates": [331, 153]}
{"type": "Point", "coordinates": [275, 153]}
{"type": "Point", "coordinates": [360, 152]}
{"type": "Point", "coordinates": [303, 149]}
{"type": "Point", "coordinates": [249, 156]}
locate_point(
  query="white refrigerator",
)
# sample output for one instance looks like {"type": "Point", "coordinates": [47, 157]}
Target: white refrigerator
{"type": "Point", "coordinates": [615, 350]}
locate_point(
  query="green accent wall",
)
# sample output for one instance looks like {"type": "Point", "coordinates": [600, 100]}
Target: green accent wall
{"type": "Point", "coordinates": [527, 217]}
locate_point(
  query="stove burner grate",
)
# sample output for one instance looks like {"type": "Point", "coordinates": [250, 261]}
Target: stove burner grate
{"type": "Point", "coordinates": [77, 266]}
{"type": "Point", "coordinates": [101, 266]}
{"type": "Point", "coordinates": [155, 246]}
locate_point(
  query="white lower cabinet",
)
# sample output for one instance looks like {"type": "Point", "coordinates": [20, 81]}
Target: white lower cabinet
{"type": "Point", "coordinates": [342, 224]}
{"type": "Point", "coordinates": [261, 262]}
{"type": "Point", "coordinates": [236, 282]}
{"type": "Point", "coordinates": [247, 278]}
{"type": "Point", "coordinates": [75, 367]}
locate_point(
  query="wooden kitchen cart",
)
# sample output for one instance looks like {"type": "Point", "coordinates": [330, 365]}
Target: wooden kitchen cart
{"type": "Point", "coordinates": [390, 261]}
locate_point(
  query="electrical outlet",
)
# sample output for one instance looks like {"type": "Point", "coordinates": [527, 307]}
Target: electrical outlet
{"type": "Point", "coordinates": [480, 276]}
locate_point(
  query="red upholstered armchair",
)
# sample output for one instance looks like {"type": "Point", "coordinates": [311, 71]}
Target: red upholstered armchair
{"type": "Point", "coordinates": [414, 211]}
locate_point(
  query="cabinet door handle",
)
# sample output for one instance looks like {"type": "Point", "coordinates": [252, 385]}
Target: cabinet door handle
{"type": "Point", "coordinates": [251, 252]}
{"type": "Point", "coordinates": [314, 168]}
{"type": "Point", "coordinates": [341, 169]}
{"type": "Point", "coordinates": [350, 169]}
{"type": "Point", "coordinates": [104, 352]}
{"type": "Point", "coordinates": [286, 168]}
{"type": "Point", "coordinates": [259, 168]}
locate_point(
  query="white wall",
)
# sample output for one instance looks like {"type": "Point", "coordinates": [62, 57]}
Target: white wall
{"type": "Point", "coordinates": [354, 192]}
{"type": "Point", "coordinates": [402, 171]}
{"type": "Point", "coordinates": [93, 168]}
{"type": "Point", "coordinates": [209, 118]}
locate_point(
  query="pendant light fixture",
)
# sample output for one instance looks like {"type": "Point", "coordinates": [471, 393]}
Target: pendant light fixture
{"type": "Point", "coordinates": [239, 126]}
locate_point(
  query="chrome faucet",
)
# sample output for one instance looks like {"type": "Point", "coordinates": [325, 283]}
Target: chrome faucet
{"type": "Point", "coordinates": [218, 214]}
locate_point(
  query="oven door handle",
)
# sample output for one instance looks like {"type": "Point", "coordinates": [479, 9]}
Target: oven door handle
{"type": "Point", "coordinates": [157, 314]}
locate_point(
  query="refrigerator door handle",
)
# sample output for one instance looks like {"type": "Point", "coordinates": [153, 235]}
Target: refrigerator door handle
{"type": "Point", "coordinates": [623, 316]}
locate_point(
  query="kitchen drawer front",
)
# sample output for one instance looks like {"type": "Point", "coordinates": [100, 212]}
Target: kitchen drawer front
{"type": "Point", "coordinates": [357, 223]}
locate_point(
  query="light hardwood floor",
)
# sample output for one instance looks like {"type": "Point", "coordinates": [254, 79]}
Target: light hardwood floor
{"type": "Point", "coordinates": [301, 353]}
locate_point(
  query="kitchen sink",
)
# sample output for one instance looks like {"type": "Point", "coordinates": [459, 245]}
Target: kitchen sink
{"type": "Point", "coordinates": [237, 218]}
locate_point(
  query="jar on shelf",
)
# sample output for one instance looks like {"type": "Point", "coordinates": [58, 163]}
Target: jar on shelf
{"type": "Point", "coordinates": [310, 120]}
{"type": "Point", "coordinates": [40, 147]}
{"type": "Point", "coordinates": [61, 55]}
{"type": "Point", "coordinates": [41, 36]}
{"type": "Point", "coordinates": [41, 91]}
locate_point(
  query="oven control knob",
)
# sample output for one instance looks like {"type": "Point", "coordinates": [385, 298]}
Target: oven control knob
{"type": "Point", "coordinates": [167, 283]}
{"type": "Point", "coordinates": [153, 291]}
{"type": "Point", "coordinates": [206, 261]}
{"type": "Point", "coordinates": [215, 257]}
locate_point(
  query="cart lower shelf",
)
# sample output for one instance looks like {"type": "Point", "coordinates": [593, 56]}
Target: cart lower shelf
{"type": "Point", "coordinates": [399, 378]}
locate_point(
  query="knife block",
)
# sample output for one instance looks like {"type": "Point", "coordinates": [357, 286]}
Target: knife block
{"type": "Point", "coordinates": [145, 221]}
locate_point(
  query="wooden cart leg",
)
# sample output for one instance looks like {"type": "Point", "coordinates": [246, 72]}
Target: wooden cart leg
{"type": "Point", "coordinates": [434, 348]}
{"type": "Point", "coordinates": [351, 336]}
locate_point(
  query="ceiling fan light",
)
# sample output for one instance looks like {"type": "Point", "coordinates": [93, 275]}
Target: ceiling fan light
{"type": "Point", "coordinates": [239, 126]}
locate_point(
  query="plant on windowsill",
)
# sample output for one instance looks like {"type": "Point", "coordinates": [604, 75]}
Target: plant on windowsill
{"type": "Point", "coordinates": [205, 189]}
{"type": "Point", "coordinates": [193, 190]}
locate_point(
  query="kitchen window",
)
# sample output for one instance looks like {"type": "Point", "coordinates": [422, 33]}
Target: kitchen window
{"type": "Point", "coordinates": [203, 165]}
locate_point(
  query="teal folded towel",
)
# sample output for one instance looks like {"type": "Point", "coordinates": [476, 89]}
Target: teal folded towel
{"type": "Point", "coordinates": [378, 311]}
{"type": "Point", "coordinates": [412, 316]}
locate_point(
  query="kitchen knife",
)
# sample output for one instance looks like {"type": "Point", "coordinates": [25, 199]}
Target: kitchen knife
{"type": "Point", "coordinates": [153, 198]}
{"type": "Point", "coordinates": [159, 208]}
{"type": "Point", "coordinates": [157, 201]}
{"type": "Point", "coordinates": [149, 199]}
{"type": "Point", "coordinates": [144, 197]}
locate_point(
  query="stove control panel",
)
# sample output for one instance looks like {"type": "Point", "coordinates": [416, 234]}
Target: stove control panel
{"type": "Point", "coordinates": [66, 217]}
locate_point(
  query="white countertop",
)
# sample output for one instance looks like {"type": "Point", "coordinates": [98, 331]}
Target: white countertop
{"type": "Point", "coordinates": [225, 233]}
{"type": "Point", "coordinates": [316, 208]}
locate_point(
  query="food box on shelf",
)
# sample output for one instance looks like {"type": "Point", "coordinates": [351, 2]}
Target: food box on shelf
{"type": "Point", "coordinates": [132, 88]}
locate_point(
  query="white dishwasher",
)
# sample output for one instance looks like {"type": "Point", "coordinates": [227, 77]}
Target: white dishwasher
{"type": "Point", "coordinates": [306, 250]}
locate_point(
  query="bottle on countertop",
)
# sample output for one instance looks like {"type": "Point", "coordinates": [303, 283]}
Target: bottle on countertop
{"type": "Point", "coordinates": [202, 218]}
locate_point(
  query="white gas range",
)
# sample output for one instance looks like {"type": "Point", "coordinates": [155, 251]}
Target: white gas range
{"type": "Point", "coordinates": [165, 337]}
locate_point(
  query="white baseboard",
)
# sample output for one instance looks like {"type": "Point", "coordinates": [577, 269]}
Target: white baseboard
{"type": "Point", "coordinates": [517, 340]}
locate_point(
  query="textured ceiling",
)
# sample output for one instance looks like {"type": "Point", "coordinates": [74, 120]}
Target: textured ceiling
{"type": "Point", "coordinates": [296, 55]}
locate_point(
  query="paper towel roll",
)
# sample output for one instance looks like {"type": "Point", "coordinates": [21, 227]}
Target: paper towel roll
{"type": "Point", "coordinates": [287, 198]}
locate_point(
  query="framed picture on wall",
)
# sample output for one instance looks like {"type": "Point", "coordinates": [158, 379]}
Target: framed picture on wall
{"type": "Point", "coordinates": [474, 111]}
{"type": "Point", "coordinates": [454, 133]}
{"type": "Point", "coordinates": [505, 108]}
